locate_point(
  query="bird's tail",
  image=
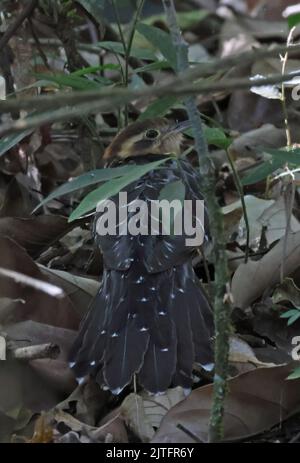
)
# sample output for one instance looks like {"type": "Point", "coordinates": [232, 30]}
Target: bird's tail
{"type": "Point", "coordinates": [152, 325]}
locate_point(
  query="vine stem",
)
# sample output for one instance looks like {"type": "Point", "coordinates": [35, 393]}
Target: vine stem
{"type": "Point", "coordinates": [127, 46]}
{"type": "Point", "coordinates": [283, 94]}
{"type": "Point", "coordinates": [222, 299]}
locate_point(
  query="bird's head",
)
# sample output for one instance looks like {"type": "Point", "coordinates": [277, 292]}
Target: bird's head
{"type": "Point", "coordinates": [152, 136]}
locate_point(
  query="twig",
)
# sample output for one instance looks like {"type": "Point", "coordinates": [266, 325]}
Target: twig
{"type": "Point", "coordinates": [172, 87]}
{"type": "Point", "coordinates": [222, 305]}
{"type": "Point", "coordinates": [189, 433]}
{"type": "Point", "coordinates": [239, 187]}
{"type": "Point", "coordinates": [40, 351]}
{"type": "Point", "coordinates": [89, 102]}
{"type": "Point", "coordinates": [12, 28]}
{"type": "Point", "coordinates": [203, 69]}
{"type": "Point", "coordinates": [289, 199]}
{"type": "Point", "coordinates": [129, 46]}
{"type": "Point", "coordinates": [38, 45]}
{"type": "Point", "coordinates": [283, 97]}
{"type": "Point", "coordinates": [35, 283]}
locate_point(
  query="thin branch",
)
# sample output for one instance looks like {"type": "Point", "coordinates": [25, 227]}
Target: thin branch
{"type": "Point", "coordinates": [35, 283]}
{"type": "Point", "coordinates": [12, 28]}
{"type": "Point", "coordinates": [40, 351]}
{"type": "Point", "coordinates": [189, 433]}
{"type": "Point", "coordinates": [129, 47]}
{"type": "Point", "coordinates": [89, 102]}
{"type": "Point", "coordinates": [222, 301]}
{"type": "Point", "coordinates": [210, 67]}
{"type": "Point", "coordinates": [283, 93]}
{"type": "Point", "coordinates": [239, 187]}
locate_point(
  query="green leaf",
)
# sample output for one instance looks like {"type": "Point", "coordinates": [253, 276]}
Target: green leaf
{"type": "Point", "coordinates": [161, 40]}
{"type": "Point", "coordinates": [295, 374]}
{"type": "Point", "coordinates": [159, 107]}
{"type": "Point", "coordinates": [156, 66]}
{"type": "Point", "coordinates": [76, 82]}
{"type": "Point", "coordinates": [293, 319]}
{"type": "Point", "coordinates": [186, 19]}
{"type": "Point", "coordinates": [85, 180]}
{"type": "Point", "coordinates": [293, 20]}
{"type": "Point", "coordinates": [290, 313]}
{"type": "Point", "coordinates": [174, 190]}
{"type": "Point", "coordinates": [93, 69]}
{"type": "Point", "coordinates": [94, 7]}
{"type": "Point", "coordinates": [170, 192]}
{"type": "Point", "coordinates": [10, 141]}
{"type": "Point", "coordinates": [111, 188]}
{"type": "Point", "coordinates": [291, 156]}
{"type": "Point", "coordinates": [117, 47]}
{"type": "Point", "coordinates": [279, 159]}
{"type": "Point", "coordinates": [216, 137]}
{"type": "Point", "coordinates": [262, 171]}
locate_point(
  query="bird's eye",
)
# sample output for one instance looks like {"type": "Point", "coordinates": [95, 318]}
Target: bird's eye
{"type": "Point", "coordinates": [152, 134]}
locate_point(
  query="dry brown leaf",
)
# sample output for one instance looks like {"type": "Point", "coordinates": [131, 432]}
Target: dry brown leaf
{"type": "Point", "coordinates": [29, 303]}
{"type": "Point", "coordinates": [257, 400]}
{"type": "Point", "coordinates": [241, 352]}
{"type": "Point", "coordinates": [248, 144]}
{"type": "Point", "coordinates": [80, 290]}
{"type": "Point", "coordinates": [251, 280]}
{"type": "Point", "coordinates": [143, 412]}
{"type": "Point", "coordinates": [112, 431]}
{"type": "Point", "coordinates": [34, 234]}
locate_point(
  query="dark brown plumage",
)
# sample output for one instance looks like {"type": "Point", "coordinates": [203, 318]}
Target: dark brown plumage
{"type": "Point", "coordinates": [151, 317]}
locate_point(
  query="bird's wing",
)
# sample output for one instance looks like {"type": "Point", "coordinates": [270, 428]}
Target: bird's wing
{"type": "Point", "coordinates": [157, 253]}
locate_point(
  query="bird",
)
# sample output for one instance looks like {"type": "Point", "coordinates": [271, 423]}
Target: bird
{"type": "Point", "coordinates": [151, 320]}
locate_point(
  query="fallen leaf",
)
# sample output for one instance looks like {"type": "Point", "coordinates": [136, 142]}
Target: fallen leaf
{"type": "Point", "coordinates": [251, 280]}
{"type": "Point", "coordinates": [256, 401]}
{"type": "Point", "coordinates": [287, 291]}
{"type": "Point", "coordinates": [34, 234]}
{"type": "Point", "coordinates": [241, 352]}
{"type": "Point", "coordinates": [80, 290]}
{"type": "Point", "coordinates": [249, 144]}
{"type": "Point", "coordinates": [27, 302]}
{"type": "Point", "coordinates": [143, 413]}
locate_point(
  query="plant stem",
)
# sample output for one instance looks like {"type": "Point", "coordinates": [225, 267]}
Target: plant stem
{"type": "Point", "coordinates": [283, 97]}
{"type": "Point", "coordinates": [174, 86]}
{"type": "Point", "coordinates": [239, 187]}
{"type": "Point", "coordinates": [129, 46]}
{"type": "Point", "coordinates": [222, 304]}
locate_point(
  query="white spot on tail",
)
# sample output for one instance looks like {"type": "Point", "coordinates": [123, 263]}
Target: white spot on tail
{"type": "Point", "coordinates": [208, 366]}
{"type": "Point", "coordinates": [117, 391]}
{"type": "Point", "coordinates": [80, 380]}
